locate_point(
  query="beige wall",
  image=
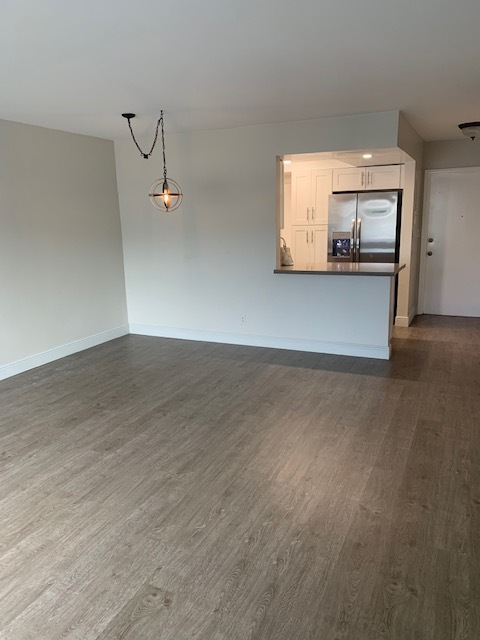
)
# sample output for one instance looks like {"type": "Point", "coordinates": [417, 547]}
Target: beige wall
{"type": "Point", "coordinates": [413, 144]}
{"type": "Point", "coordinates": [61, 262]}
{"type": "Point", "coordinates": [196, 273]}
{"type": "Point", "coordinates": [452, 154]}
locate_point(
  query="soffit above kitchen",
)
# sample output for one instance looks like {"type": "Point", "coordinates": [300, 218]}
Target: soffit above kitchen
{"type": "Point", "coordinates": [339, 159]}
{"type": "Point", "coordinates": [219, 64]}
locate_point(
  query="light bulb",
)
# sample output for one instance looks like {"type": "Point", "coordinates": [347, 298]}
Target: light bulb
{"type": "Point", "coordinates": [166, 194]}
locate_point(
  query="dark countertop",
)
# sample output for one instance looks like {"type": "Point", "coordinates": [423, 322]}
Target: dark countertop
{"type": "Point", "coordinates": [344, 268]}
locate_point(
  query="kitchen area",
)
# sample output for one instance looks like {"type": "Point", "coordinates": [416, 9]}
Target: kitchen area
{"type": "Point", "coordinates": [341, 215]}
{"type": "Point", "coordinates": [336, 212]}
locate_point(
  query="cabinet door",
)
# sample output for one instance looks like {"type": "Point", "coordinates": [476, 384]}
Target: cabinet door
{"type": "Point", "coordinates": [319, 238]}
{"type": "Point", "coordinates": [301, 243]}
{"type": "Point", "coordinates": [349, 179]}
{"type": "Point", "coordinates": [387, 177]}
{"type": "Point", "coordinates": [301, 197]}
{"type": "Point", "coordinates": [321, 189]}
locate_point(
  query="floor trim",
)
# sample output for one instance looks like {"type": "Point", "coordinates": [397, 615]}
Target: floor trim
{"type": "Point", "coordinates": [38, 359]}
{"type": "Point", "coordinates": [405, 321]}
{"type": "Point", "coordinates": [251, 340]}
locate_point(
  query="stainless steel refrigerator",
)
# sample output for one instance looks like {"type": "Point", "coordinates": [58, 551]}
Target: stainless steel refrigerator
{"type": "Point", "coordinates": [364, 226]}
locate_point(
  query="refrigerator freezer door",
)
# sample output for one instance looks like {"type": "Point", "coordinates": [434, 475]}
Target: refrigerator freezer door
{"type": "Point", "coordinates": [377, 226]}
{"type": "Point", "coordinates": [342, 218]}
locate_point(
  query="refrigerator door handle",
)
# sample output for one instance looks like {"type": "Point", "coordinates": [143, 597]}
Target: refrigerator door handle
{"type": "Point", "coordinates": [359, 230]}
{"type": "Point", "coordinates": [352, 240]}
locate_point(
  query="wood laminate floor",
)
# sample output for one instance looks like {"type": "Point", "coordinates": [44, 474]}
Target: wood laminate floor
{"type": "Point", "coordinates": [157, 489]}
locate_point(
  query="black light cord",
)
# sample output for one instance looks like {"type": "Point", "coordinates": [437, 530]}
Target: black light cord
{"type": "Point", "coordinates": [129, 116]}
{"type": "Point", "coordinates": [163, 147]}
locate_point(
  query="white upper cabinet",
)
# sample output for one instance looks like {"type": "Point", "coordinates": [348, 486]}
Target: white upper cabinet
{"type": "Point", "coordinates": [349, 179]}
{"type": "Point", "coordinates": [386, 177]}
{"type": "Point", "coordinates": [367, 178]}
{"type": "Point", "coordinates": [310, 191]}
{"type": "Point", "coordinates": [301, 197]}
{"type": "Point", "coordinates": [321, 189]}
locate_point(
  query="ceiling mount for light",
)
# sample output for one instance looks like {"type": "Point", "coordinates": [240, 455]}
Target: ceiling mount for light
{"type": "Point", "coordinates": [470, 129]}
{"type": "Point", "coordinates": [165, 194]}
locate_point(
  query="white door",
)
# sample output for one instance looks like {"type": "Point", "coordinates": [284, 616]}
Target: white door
{"type": "Point", "coordinates": [451, 247]}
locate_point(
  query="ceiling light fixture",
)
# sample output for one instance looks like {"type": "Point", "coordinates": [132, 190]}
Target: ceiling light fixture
{"type": "Point", "coordinates": [470, 129]}
{"type": "Point", "coordinates": [367, 156]}
{"type": "Point", "coordinates": [287, 162]}
{"type": "Point", "coordinates": [165, 194]}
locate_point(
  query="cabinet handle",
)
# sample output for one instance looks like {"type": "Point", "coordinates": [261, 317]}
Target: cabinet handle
{"type": "Point", "coordinates": [313, 213]}
{"type": "Point", "coordinates": [307, 236]}
{"type": "Point", "coordinates": [312, 236]}
{"type": "Point", "coordinates": [369, 177]}
{"type": "Point", "coordinates": [363, 178]}
{"type": "Point", "coordinates": [308, 212]}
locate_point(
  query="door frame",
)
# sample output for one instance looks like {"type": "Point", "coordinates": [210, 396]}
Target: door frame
{"type": "Point", "coordinates": [425, 221]}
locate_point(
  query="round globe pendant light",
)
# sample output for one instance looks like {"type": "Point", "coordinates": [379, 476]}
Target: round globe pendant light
{"type": "Point", "coordinates": [165, 194]}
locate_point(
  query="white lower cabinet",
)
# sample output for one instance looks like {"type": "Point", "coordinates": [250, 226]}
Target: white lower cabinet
{"type": "Point", "coordinates": [309, 243]}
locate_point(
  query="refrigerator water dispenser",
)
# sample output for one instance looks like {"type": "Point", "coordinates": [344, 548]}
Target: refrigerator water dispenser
{"type": "Point", "coordinates": [341, 246]}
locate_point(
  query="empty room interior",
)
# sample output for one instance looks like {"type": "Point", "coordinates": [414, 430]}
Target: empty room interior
{"type": "Point", "coordinates": [240, 320]}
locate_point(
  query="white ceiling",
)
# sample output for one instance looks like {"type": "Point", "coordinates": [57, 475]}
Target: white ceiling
{"type": "Point", "coordinates": [224, 63]}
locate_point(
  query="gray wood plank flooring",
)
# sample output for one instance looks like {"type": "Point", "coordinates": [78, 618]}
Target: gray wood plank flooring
{"type": "Point", "coordinates": [173, 490]}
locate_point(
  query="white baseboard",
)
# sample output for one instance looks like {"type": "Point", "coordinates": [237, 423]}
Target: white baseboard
{"type": "Point", "coordinates": [295, 344]}
{"type": "Point", "coordinates": [401, 321]}
{"type": "Point", "coordinates": [405, 321]}
{"type": "Point", "coordinates": [38, 359]}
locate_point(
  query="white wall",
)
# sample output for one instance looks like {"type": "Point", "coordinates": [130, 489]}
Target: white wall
{"type": "Point", "coordinates": [61, 263]}
{"type": "Point", "coordinates": [196, 273]}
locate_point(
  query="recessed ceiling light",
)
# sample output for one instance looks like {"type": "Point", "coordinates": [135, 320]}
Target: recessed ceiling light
{"type": "Point", "coordinates": [287, 162]}
{"type": "Point", "coordinates": [367, 156]}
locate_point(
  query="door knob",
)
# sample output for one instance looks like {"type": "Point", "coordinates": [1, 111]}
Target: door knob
{"type": "Point", "coordinates": [429, 253]}
{"type": "Point", "coordinates": [430, 239]}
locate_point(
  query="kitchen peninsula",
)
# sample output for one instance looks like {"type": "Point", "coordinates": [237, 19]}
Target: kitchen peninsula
{"type": "Point", "coordinates": [357, 302]}
{"type": "Point", "coordinates": [345, 269]}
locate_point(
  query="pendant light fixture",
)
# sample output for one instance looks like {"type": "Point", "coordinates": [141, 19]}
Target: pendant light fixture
{"type": "Point", "coordinates": [165, 194]}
